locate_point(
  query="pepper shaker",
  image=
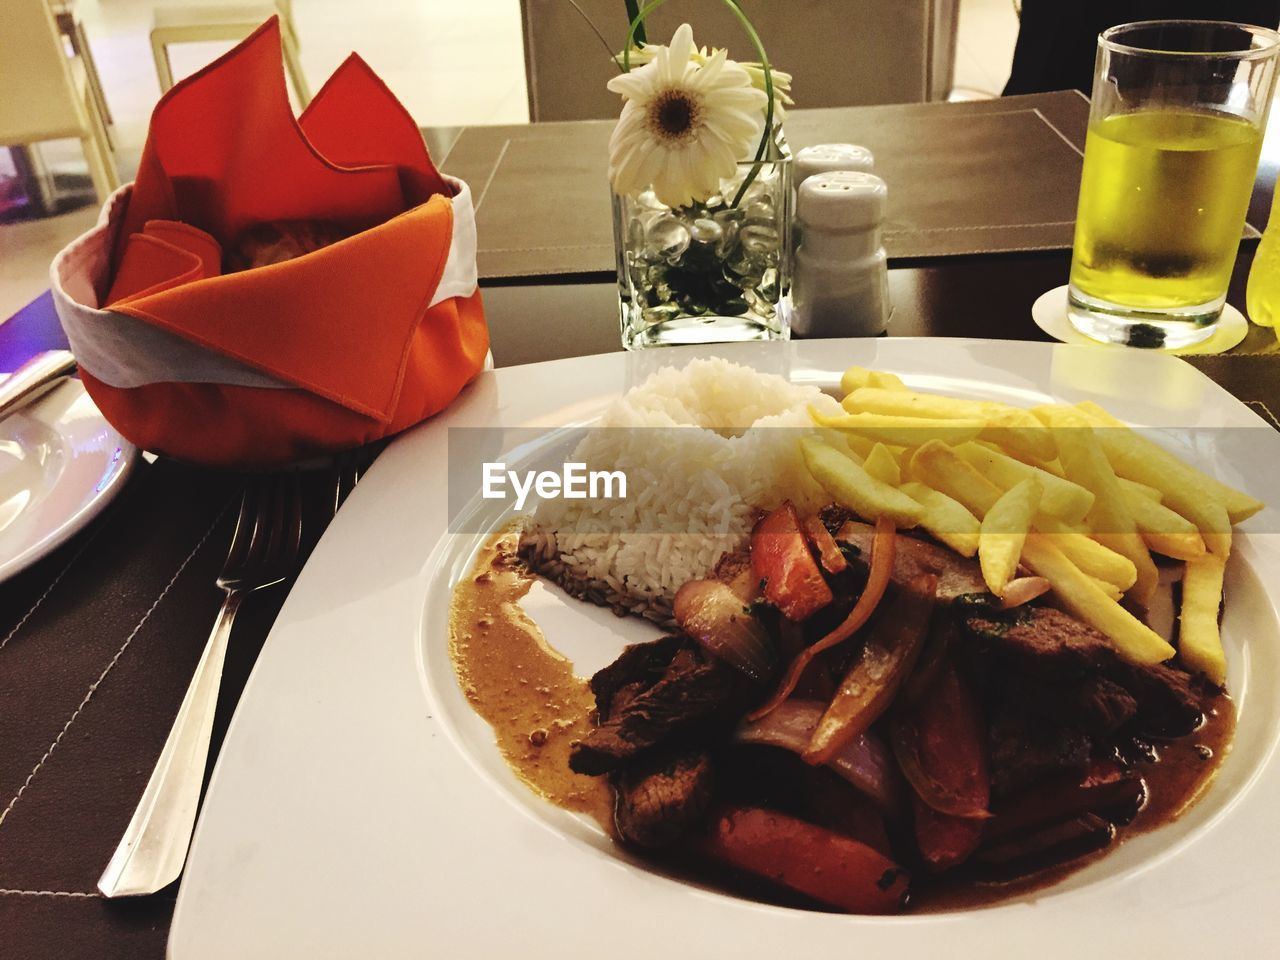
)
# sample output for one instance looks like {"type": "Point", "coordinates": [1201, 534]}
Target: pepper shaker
{"type": "Point", "coordinates": [840, 286]}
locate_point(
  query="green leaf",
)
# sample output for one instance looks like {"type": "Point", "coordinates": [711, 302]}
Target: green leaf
{"type": "Point", "coordinates": [633, 14]}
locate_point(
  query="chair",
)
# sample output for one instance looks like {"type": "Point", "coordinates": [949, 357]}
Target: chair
{"type": "Point", "coordinates": [69, 24]}
{"type": "Point", "coordinates": [185, 24]}
{"type": "Point", "coordinates": [48, 96]}
{"type": "Point", "coordinates": [840, 52]}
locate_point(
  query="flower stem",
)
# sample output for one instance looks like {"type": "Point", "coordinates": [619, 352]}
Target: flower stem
{"type": "Point", "coordinates": [766, 136]}
{"type": "Point", "coordinates": [636, 33]}
{"type": "Point", "coordinates": [596, 30]}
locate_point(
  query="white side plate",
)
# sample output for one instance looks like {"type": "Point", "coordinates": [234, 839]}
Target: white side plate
{"type": "Point", "coordinates": [360, 809]}
{"type": "Point", "coordinates": [60, 464]}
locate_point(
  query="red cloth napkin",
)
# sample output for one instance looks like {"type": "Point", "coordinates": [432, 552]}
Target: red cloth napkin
{"type": "Point", "coordinates": [337, 347]}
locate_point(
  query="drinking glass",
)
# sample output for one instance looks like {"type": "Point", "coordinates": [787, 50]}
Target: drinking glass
{"type": "Point", "coordinates": [1175, 129]}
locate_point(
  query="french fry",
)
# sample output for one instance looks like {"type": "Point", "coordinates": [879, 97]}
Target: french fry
{"type": "Point", "coordinates": [1014, 429]}
{"type": "Point", "coordinates": [909, 403]}
{"type": "Point", "coordinates": [1084, 599]}
{"type": "Point", "coordinates": [1199, 641]}
{"type": "Point", "coordinates": [898, 430]}
{"type": "Point", "coordinates": [1003, 532]}
{"type": "Point", "coordinates": [851, 486]}
{"type": "Point", "coordinates": [1194, 494]}
{"type": "Point", "coordinates": [1091, 557]}
{"type": "Point", "coordinates": [942, 468]}
{"type": "Point", "coordinates": [945, 518]}
{"type": "Point", "coordinates": [1163, 530]}
{"type": "Point", "coordinates": [1048, 466]}
{"type": "Point", "coordinates": [880, 463]}
{"type": "Point", "coordinates": [1071, 493]}
{"type": "Point", "coordinates": [1110, 518]}
{"type": "Point", "coordinates": [903, 455]}
{"type": "Point", "coordinates": [1110, 589]}
{"type": "Point", "coordinates": [1052, 466]}
{"type": "Point", "coordinates": [1133, 486]}
{"type": "Point", "coordinates": [1063, 499]}
{"type": "Point", "coordinates": [1239, 505]}
{"type": "Point", "coordinates": [937, 465]}
{"type": "Point", "coordinates": [885, 381]}
{"type": "Point", "coordinates": [857, 377]}
{"type": "Point", "coordinates": [859, 444]}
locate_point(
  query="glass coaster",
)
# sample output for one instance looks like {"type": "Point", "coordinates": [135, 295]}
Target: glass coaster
{"type": "Point", "coordinates": [1050, 315]}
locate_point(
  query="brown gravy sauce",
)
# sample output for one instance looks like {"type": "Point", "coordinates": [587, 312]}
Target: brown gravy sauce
{"type": "Point", "coordinates": [537, 707]}
{"type": "Point", "coordinates": [1184, 771]}
{"type": "Point", "coordinates": [524, 689]}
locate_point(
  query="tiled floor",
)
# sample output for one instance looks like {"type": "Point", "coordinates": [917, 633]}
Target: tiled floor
{"type": "Point", "coordinates": [450, 62]}
{"type": "Point", "coordinates": [26, 250]}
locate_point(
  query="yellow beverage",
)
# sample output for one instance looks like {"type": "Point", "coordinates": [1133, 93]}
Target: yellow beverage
{"type": "Point", "coordinates": [1262, 296]}
{"type": "Point", "coordinates": [1163, 198]}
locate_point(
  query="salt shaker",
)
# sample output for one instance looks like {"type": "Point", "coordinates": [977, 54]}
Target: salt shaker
{"type": "Point", "coordinates": [828, 157]}
{"type": "Point", "coordinates": [840, 287]}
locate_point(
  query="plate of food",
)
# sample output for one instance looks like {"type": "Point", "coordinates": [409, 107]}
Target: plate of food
{"type": "Point", "coordinates": [733, 649]}
{"type": "Point", "coordinates": [61, 463]}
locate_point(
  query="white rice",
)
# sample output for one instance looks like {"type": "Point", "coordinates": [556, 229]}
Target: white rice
{"type": "Point", "coordinates": [704, 448]}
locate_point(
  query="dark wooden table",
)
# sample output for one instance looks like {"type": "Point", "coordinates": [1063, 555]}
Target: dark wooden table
{"type": "Point", "coordinates": [98, 641]}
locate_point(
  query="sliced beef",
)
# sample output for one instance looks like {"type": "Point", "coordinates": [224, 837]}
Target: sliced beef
{"type": "Point", "coordinates": [1106, 789]}
{"type": "Point", "coordinates": [1103, 706]}
{"type": "Point", "coordinates": [1023, 749]}
{"type": "Point", "coordinates": [1039, 729]}
{"type": "Point", "coordinates": [1040, 642]}
{"type": "Point", "coordinates": [913, 558]}
{"type": "Point", "coordinates": [640, 664]}
{"type": "Point", "coordinates": [662, 795]}
{"type": "Point", "coordinates": [1097, 705]}
{"type": "Point", "coordinates": [1045, 644]}
{"type": "Point", "coordinates": [643, 702]}
{"type": "Point", "coordinates": [1057, 692]}
{"type": "Point", "coordinates": [1169, 704]}
{"type": "Point", "coordinates": [1049, 846]}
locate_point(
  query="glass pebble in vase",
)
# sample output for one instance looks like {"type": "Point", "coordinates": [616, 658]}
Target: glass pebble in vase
{"type": "Point", "coordinates": [715, 271]}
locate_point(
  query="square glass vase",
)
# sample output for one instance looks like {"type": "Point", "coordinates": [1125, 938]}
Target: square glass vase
{"type": "Point", "coordinates": [711, 272]}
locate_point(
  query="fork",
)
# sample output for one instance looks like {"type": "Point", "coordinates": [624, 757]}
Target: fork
{"type": "Point", "coordinates": [346, 475]}
{"type": "Point", "coordinates": [263, 553]}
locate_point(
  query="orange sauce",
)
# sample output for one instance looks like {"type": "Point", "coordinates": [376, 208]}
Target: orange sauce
{"type": "Point", "coordinates": [518, 683]}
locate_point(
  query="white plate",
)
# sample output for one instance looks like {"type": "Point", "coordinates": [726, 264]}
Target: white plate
{"type": "Point", "coordinates": [60, 464]}
{"type": "Point", "coordinates": [360, 809]}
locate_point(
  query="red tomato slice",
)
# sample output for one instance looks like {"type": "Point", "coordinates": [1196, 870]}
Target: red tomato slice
{"type": "Point", "coordinates": [780, 557]}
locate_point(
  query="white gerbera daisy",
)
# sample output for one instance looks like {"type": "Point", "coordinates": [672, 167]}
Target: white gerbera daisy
{"type": "Point", "coordinates": [684, 125]}
{"type": "Point", "coordinates": [781, 81]}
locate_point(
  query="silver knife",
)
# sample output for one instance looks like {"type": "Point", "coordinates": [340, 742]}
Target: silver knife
{"type": "Point", "coordinates": [34, 379]}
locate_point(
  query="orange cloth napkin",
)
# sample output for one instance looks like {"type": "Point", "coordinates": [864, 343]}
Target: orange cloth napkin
{"type": "Point", "coordinates": [344, 345]}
